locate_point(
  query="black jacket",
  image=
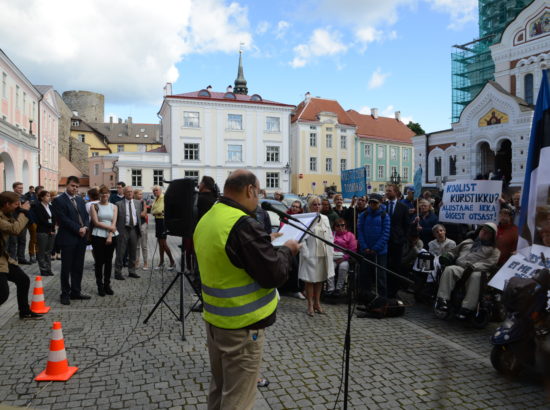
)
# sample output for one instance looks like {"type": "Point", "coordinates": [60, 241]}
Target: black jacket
{"type": "Point", "coordinates": [205, 201]}
{"type": "Point", "coordinates": [44, 223]}
{"type": "Point", "coordinates": [400, 222]}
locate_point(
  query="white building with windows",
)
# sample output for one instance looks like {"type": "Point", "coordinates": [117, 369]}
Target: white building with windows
{"type": "Point", "coordinates": [214, 133]}
{"type": "Point", "coordinates": [492, 133]}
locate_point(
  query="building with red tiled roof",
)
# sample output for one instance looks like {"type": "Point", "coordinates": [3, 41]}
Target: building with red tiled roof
{"type": "Point", "coordinates": [322, 145]}
{"type": "Point", "coordinates": [384, 147]}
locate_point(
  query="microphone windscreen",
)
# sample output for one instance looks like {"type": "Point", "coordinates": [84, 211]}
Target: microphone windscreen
{"type": "Point", "coordinates": [267, 206]}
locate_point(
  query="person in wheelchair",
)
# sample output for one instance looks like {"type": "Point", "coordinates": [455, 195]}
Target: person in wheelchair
{"type": "Point", "coordinates": [441, 244]}
{"type": "Point", "coordinates": [346, 239]}
{"type": "Point", "coordinates": [471, 257]}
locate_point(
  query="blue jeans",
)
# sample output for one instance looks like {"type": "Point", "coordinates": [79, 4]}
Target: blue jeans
{"type": "Point", "coordinates": [373, 278]}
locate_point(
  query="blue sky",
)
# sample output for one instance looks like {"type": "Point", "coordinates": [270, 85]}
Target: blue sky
{"type": "Point", "coordinates": [392, 54]}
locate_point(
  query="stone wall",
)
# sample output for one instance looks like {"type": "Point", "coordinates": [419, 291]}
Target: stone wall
{"type": "Point", "coordinates": [90, 106]}
{"type": "Point", "coordinates": [72, 149]}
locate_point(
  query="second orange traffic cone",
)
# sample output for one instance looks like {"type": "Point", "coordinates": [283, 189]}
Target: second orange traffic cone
{"type": "Point", "coordinates": [38, 304]}
{"type": "Point", "coordinates": [58, 368]}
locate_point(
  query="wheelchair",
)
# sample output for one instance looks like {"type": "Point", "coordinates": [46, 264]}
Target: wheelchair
{"type": "Point", "coordinates": [489, 306]}
{"type": "Point", "coordinates": [425, 275]}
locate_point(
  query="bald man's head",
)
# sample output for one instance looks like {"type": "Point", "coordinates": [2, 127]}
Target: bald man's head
{"type": "Point", "coordinates": [243, 187]}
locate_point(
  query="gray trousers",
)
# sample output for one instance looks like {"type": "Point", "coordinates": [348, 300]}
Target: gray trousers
{"type": "Point", "coordinates": [126, 241]}
{"type": "Point", "coordinates": [44, 242]}
{"type": "Point", "coordinates": [17, 245]}
{"type": "Point", "coordinates": [450, 276]}
{"type": "Point", "coordinates": [142, 243]}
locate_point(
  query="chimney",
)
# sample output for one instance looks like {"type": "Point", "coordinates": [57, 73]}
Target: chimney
{"type": "Point", "coordinates": [75, 113]}
{"type": "Point", "coordinates": [111, 122]}
{"type": "Point", "coordinates": [374, 113]}
{"type": "Point", "coordinates": [168, 89]}
{"type": "Point", "coordinates": [229, 89]}
{"type": "Point", "coordinates": [307, 97]}
{"type": "Point", "coordinates": [398, 116]}
{"type": "Point", "coordinates": [209, 88]}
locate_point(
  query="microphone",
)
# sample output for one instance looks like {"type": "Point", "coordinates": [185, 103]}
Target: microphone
{"type": "Point", "coordinates": [268, 207]}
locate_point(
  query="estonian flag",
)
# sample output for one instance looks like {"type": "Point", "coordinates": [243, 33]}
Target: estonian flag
{"type": "Point", "coordinates": [535, 197]}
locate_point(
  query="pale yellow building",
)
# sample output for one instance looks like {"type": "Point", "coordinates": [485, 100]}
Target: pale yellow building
{"type": "Point", "coordinates": [83, 132]}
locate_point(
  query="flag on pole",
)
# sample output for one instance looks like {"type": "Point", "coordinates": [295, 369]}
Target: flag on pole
{"type": "Point", "coordinates": [417, 182]}
{"type": "Point", "coordinates": [536, 186]}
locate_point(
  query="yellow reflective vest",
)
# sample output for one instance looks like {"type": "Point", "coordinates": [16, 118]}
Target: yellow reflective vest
{"type": "Point", "coordinates": [232, 299]}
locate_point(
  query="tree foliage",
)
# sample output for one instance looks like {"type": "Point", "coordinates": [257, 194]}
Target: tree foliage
{"type": "Point", "coordinates": [416, 128]}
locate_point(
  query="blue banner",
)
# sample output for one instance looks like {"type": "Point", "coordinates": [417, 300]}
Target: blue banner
{"type": "Point", "coordinates": [418, 182]}
{"type": "Point", "coordinates": [354, 182]}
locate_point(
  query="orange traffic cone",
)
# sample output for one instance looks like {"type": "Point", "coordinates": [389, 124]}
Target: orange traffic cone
{"type": "Point", "coordinates": [58, 368]}
{"type": "Point", "coordinates": [38, 305]}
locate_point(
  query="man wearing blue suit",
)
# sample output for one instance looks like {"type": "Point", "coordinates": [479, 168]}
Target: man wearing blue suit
{"type": "Point", "coordinates": [70, 211]}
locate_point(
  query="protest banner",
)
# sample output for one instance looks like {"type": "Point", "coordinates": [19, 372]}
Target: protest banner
{"type": "Point", "coordinates": [354, 182]}
{"type": "Point", "coordinates": [523, 265]}
{"type": "Point", "coordinates": [470, 202]}
{"type": "Point", "coordinates": [418, 182]}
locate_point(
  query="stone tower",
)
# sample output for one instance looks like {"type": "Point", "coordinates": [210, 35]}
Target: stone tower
{"type": "Point", "coordinates": [89, 105]}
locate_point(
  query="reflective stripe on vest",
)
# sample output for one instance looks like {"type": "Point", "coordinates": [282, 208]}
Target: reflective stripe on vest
{"type": "Point", "coordinates": [232, 299]}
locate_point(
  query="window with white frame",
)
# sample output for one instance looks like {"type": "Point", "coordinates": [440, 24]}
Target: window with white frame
{"type": "Point", "coordinates": [96, 169]}
{"type": "Point", "coordinates": [380, 171]}
{"type": "Point", "coordinates": [328, 164]}
{"type": "Point", "coordinates": [393, 153]}
{"type": "Point", "coordinates": [405, 154]}
{"type": "Point", "coordinates": [82, 138]}
{"type": "Point", "coordinates": [235, 121]}
{"type": "Point", "coordinates": [380, 151]}
{"type": "Point", "coordinates": [192, 174]}
{"type": "Point", "coordinates": [158, 177]}
{"type": "Point", "coordinates": [272, 180]}
{"type": "Point", "coordinates": [272, 154]}
{"type": "Point", "coordinates": [75, 123]}
{"type": "Point", "coordinates": [4, 85]}
{"type": "Point", "coordinates": [313, 163]}
{"type": "Point", "coordinates": [343, 141]}
{"type": "Point", "coordinates": [120, 148]}
{"type": "Point", "coordinates": [367, 171]}
{"type": "Point", "coordinates": [95, 154]}
{"type": "Point", "coordinates": [406, 173]}
{"type": "Point", "coordinates": [190, 119]}
{"type": "Point", "coordinates": [329, 140]}
{"type": "Point", "coordinates": [368, 150]}
{"type": "Point", "coordinates": [343, 165]}
{"type": "Point", "coordinates": [191, 152]}
{"type": "Point", "coordinates": [136, 177]}
{"type": "Point", "coordinates": [234, 153]}
{"type": "Point", "coordinates": [312, 139]}
{"type": "Point", "coordinates": [393, 171]}
{"type": "Point", "coordinates": [273, 124]}
{"type": "Point", "coordinates": [329, 129]}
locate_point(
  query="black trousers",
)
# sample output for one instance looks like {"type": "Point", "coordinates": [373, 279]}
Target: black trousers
{"type": "Point", "coordinates": [17, 245]}
{"type": "Point", "coordinates": [395, 253]}
{"type": "Point", "coordinates": [103, 258]}
{"type": "Point", "coordinates": [22, 282]}
{"type": "Point", "coordinates": [72, 266]}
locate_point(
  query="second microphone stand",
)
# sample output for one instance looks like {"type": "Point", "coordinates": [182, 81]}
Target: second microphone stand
{"type": "Point", "coordinates": [358, 258]}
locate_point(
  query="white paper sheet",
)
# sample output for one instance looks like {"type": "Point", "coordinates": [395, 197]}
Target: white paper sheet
{"type": "Point", "coordinates": [290, 232]}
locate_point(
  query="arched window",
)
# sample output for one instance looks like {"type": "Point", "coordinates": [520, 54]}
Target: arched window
{"type": "Point", "coordinates": [528, 88]}
{"type": "Point", "coordinates": [452, 165]}
{"type": "Point", "coordinates": [437, 167]}
{"type": "Point", "coordinates": [204, 93]}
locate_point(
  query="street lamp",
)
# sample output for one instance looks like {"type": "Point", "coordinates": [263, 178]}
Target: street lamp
{"type": "Point", "coordinates": [287, 168]}
{"type": "Point", "coordinates": [395, 178]}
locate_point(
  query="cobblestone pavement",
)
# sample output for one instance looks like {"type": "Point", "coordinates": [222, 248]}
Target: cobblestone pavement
{"type": "Point", "coordinates": [415, 361]}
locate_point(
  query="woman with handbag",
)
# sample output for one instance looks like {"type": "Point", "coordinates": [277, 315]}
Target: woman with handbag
{"type": "Point", "coordinates": [104, 233]}
{"type": "Point", "coordinates": [45, 232]}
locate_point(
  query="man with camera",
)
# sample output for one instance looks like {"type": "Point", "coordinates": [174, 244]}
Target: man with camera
{"type": "Point", "coordinates": [17, 243]}
{"type": "Point", "coordinates": [13, 219]}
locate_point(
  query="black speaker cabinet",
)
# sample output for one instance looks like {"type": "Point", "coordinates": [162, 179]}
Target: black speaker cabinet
{"type": "Point", "coordinates": [180, 207]}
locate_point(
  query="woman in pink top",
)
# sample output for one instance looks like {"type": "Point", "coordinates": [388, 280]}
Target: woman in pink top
{"type": "Point", "coordinates": [347, 240]}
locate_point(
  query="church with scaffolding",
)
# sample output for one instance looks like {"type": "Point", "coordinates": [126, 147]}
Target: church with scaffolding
{"type": "Point", "coordinates": [495, 81]}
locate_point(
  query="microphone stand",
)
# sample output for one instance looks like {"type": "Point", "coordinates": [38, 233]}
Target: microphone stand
{"type": "Point", "coordinates": [358, 258]}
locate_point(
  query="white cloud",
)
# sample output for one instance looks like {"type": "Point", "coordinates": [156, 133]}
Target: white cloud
{"type": "Point", "coordinates": [461, 11]}
{"type": "Point", "coordinates": [262, 27]}
{"type": "Point", "coordinates": [377, 79]}
{"type": "Point", "coordinates": [364, 110]}
{"type": "Point", "coordinates": [322, 42]}
{"type": "Point", "coordinates": [368, 34]}
{"type": "Point", "coordinates": [282, 28]}
{"type": "Point", "coordinates": [126, 49]}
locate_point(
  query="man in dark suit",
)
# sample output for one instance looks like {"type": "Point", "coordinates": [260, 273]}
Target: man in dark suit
{"type": "Point", "coordinates": [399, 227]}
{"type": "Point", "coordinates": [128, 226]}
{"type": "Point", "coordinates": [70, 212]}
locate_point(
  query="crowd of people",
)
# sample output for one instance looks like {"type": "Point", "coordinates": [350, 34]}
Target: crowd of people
{"type": "Point", "coordinates": [62, 226]}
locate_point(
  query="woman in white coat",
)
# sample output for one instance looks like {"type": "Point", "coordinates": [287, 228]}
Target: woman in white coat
{"type": "Point", "coordinates": [316, 259]}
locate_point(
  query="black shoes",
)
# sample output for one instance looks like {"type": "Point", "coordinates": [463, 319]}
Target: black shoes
{"type": "Point", "coordinates": [100, 290]}
{"type": "Point", "coordinates": [65, 300]}
{"type": "Point", "coordinates": [46, 274]}
{"type": "Point", "coordinates": [133, 275]}
{"type": "Point", "coordinates": [29, 316]}
{"type": "Point", "coordinates": [464, 314]}
{"type": "Point", "coordinates": [442, 305]}
{"type": "Point", "coordinates": [80, 296]}
{"type": "Point", "coordinates": [108, 290]}
{"type": "Point", "coordinates": [23, 262]}
{"type": "Point", "coordinates": [32, 259]}
{"type": "Point", "coordinates": [119, 277]}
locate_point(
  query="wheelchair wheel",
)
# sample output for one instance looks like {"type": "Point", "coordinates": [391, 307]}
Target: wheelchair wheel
{"type": "Point", "coordinates": [481, 319]}
{"type": "Point", "coordinates": [505, 361]}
